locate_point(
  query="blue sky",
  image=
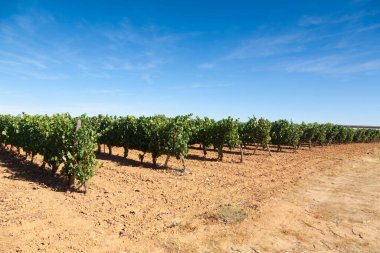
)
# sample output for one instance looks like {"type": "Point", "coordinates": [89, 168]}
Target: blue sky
{"type": "Point", "coordinates": [300, 60]}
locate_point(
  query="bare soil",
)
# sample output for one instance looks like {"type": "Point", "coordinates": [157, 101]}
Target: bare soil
{"type": "Point", "coordinates": [323, 200]}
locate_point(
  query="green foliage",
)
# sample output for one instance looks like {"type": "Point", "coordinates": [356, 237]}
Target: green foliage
{"type": "Point", "coordinates": [201, 131]}
{"type": "Point", "coordinates": [56, 139]}
{"type": "Point", "coordinates": [64, 145]}
{"type": "Point", "coordinates": [255, 131]}
{"type": "Point", "coordinates": [59, 139]}
{"type": "Point", "coordinates": [342, 134]}
{"type": "Point", "coordinates": [262, 132]}
{"type": "Point", "coordinates": [80, 159]}
{"type": "Point", "coordinates": [176, 135]}
{"type": "Point", "coordinates": [331, 132]}
{"type": "Point", "coordinates": [350, 135]}
{"type": "Point", "coordinates": [286, 133]}
{"type": "Point", "coordinates": [309, 132]}
{"type": "Point", "coordinates": [158, 134]}
{"type": "Point", "coordinates": [225, 131]}
{"type": "Point", "coordinates": [320, 134]}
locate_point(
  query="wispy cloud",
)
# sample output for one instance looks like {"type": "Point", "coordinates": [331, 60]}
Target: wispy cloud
{"type": "Point", "coordinates": [45, 76]}
{"type": "Point", "coordinates": [264, 46]}
{"type": "Point", "coordinates": [25, 52]}
{"type": "Point", "coordinates": [147, 77]}
{"type": "Point", "coordinates": [206, 65]}
{"type": "Point", "coordinates": [145, 49]}
{"type": "Point", "coordinates": [203, 85]}
{"type": "Point", "coordinates": [312, 49]}
{"type": "Point", "coordinates": [368, 28]}
{"type": "Point", "coordinates": [332, 64]}
{"type": "Point", "coordinates": [145, 68]}
{"type": "Point", "coordinates": [22, 59]}
{"type": "Point", "coordinates": [150, 64]}
{"type": "Point", "coordinates": [103, 91]}
{"type": "Point", "coordinates": [149, 35]}
{"type": "Point", "coordinates": [328, 20]}
{"type": "Point", "coordinates": [18, 71]}
{"type": "Point", "coordinates": [313, 20]}
{"type": "Point", "coordinates": [125, 48]}
{"type": "Point", "coordinates": [299, 42]}
{"type": "Point", "coordinates": [74, 109]}
{"type": "Point", "coordinates": [209, 85]}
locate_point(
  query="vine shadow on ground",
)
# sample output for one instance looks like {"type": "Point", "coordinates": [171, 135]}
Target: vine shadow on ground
{"type": "Point", "coordinates": [123, 161]}
{"type": "Point", "coordinates": [24, 170]}
{"type": "Point", "coordinates": [130, 162]}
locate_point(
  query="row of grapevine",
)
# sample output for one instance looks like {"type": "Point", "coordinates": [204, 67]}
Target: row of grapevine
{"type": "Point", "coordinates": [209, 132]}
{"type": "Point", "coordinates": [161, 135]}
{"type": "Point", "coordinates": [60, 139]}
{"type": "Point", "coordinates": [256, 132]}
{"type": "Point", "coordinates": [281, 133]}
{"type": "Point", "coordinates": [158, 135]}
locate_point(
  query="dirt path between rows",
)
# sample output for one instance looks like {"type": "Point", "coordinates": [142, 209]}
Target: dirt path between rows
{"type": "Point", "coordinates": [324, 200]}
{"type": "Point", "coordinates": [335, 212]}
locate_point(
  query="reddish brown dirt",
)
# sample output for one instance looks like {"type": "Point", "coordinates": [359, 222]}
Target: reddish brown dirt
{"type": "Point", "coordinates": [325, 200]}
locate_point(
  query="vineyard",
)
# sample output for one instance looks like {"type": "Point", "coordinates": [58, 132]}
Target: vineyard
{"type": "Point", "coordinates": [68, 143]}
